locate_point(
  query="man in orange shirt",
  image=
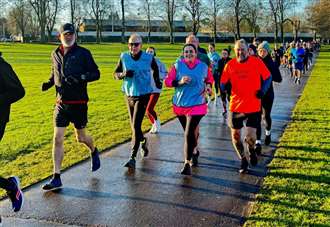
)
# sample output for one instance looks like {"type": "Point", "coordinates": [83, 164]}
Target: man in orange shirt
{"type": "Point", "coordinates": [249, 79]}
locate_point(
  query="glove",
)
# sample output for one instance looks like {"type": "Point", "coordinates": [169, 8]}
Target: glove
{"type": "Point", "coordinates": [129, 73]}
{"type": "Point", "coordinates": [45, 86]}
{"type": "Point", "coordinates": [259, 94]}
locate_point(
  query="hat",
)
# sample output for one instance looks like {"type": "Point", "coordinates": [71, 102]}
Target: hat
{"type": "Point", "coordinates": [265, 45]}
{"type": "Point", "coordinates": [65, 28]}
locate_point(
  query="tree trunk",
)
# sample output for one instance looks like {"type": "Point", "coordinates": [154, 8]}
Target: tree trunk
{"type": "Point", "coordinates": [122, 21]}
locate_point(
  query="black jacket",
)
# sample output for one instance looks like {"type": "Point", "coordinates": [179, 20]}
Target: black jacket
{"type": "Point", "coordinates": [71, 73]}
{"type": "Point", "coordinates": [11, 90]}
{"type": "Point", "coordinates": [274, 71]}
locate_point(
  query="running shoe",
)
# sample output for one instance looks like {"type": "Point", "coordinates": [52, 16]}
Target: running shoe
{"type": "Point", "coordinates": [268, 140]}
{"type": "Point", "coordinates": [95, 160]}
{"type": "Point", "coordinates": [130, 164]}
{"type": "Point", "coordinates": [53, 184]}
{"type": "Point", "coordinates": [16, 196]}
{"type": "Point", "coordinates": [244, 165]}
{"type": "Point", "coordinates": [195, 158]}
{"type": "Point", "coordinates": [186, 170]}
{"type": "Point", "coordinates": [253, 157]}
{"type": "Point", "coordinates": [144, 148]}
{"type": "Point", "coordinates": [257, 148]}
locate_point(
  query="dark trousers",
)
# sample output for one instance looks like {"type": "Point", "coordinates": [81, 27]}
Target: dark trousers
{"type": "Point", "coordinates": [136, 108]}
{"type": "Point", "coordinates": [216, 78]}
{"type": "Point", "coordinates": [267, 104]}
{"type": "Point", "coordinates": [4, 183]}
{"type": "Point", "coordinates": [190, 127]}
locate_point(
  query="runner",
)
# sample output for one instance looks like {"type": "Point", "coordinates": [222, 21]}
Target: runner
{"type": "Point", "coordinates": [72, 68]}
{"type": "Point", "coordinates": [152, 115]}
{"type": "Point", "coordinates": [264, 52]}
{"type": "Point", "coordinates": [11, 90]}
{"type": "Point", "coordinates": [191, 78]}
{"type": "Point", "coordinates": [214, 59]}
{"type": "Point", "coordinates": [250, 80]}
{"type": "Point", "coordinates": [298, 61]}
{"type": "Point", "coordinates": [225, 94]}
{"type": "Point", "coordinates": [134, 68]}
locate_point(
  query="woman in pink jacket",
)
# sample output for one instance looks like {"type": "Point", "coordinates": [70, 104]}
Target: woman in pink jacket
{"type": "Point", "coordinates": [191, 79]}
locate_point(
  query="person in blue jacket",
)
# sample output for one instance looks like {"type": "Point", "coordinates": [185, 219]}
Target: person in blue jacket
{"type": "Point", "coordinates": [134, 68]}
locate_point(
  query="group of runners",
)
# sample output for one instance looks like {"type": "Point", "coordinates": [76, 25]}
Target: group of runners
{"type": "Point", "coordinates": [245, 81]}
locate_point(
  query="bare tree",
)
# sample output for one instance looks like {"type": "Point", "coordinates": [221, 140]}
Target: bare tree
{"type": "Point", "coordinates": [284, 5]}
{"type": "Point", "coordinates": [122, 4]}
{"type": "Point", "coordinates": [147, 7]}
{"type": "Point", "coordinates": [239, 9]}
{"type": "Point", "coordinates": [40, 7]}
{"type": "Point", "coordinates": [254, 13]}
{"type": "Point", "coordinates": [171, 7]}
{"type": "Point", "coordinates": [99, 10]}
{"type": "Point", "coordinates": [194, 9]}
{"type": "Point", "coordinates": [318, 15]}
{"type": "Point", "coordinates": [51, 14]}
{"type": "Point", "coordinates": [21, 15]}
{"type": "Point", "coordinates": [274, 9]}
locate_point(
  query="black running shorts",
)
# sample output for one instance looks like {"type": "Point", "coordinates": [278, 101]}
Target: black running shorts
{"type": "Point", "coordinates": [236, 120]}
{"type": "Point", "coordinates": [2, 129]}
{"type": "Point", "coordinates": [74, 113]}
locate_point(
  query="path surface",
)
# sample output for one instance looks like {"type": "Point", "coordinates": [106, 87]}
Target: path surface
{"type": "Point", "coordinates": [156, 194]}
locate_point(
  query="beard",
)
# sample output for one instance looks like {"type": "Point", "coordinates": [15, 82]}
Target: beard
{"type": "Point", "coordinates": [68, 43]}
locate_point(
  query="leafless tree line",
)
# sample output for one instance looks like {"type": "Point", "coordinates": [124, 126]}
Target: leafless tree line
{"type": "Point", "coordinates": [40, 16]}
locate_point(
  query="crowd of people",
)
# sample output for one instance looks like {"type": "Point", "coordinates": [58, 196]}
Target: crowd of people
{"type": "Point", "coordinates": [244, 81]}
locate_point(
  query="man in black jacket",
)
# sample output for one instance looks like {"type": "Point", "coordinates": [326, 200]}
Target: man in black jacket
{"type": "Point", "coordinates": [11, 90]}
{"type": "Point", "coordinates": [72, 68]}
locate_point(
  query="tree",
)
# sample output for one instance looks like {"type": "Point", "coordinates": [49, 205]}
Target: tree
{"type": "Point", "coordinates": [254, 13]}
{"type": "Point", "coordinates": [100, 9]}
{"type": "Point", "coordinates": [194, 9]}
{"type": "Point", "coordinates": [239, 9]}
{"type": "Point", "coordinates": [284, 5]}
{"type": "Point", "coordinates": [122, 4]}
{"type": "Point", "coordinates": [147, 5]}
{"type": "Point", "coordinates": [51, 14]}
{"type": "Point", "coordinates": [39, 7]}
{"type": "Point", "coordinates": [171, 7]}
{"type": "Point", "coordinates": [318, 14]}
{"type": "Point", "coordinates": [20, 13]}
{"type": "Point", "coordinates": [274, 9]}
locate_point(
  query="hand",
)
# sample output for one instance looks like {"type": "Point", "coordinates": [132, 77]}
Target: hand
{"type": "Point", "coordinates": [184, 80]}
{"type": "Point", "coordinates": [45, 86]}
{"type": "Point", "coordinates": [71, 80]}
{"type": "Point", "coordinates": [259, 94]}
{"type": "Point", "coordinates": [129, 73]}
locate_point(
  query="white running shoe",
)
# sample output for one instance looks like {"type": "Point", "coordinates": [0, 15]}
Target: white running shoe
{"type": "Point", "coordinates": [157, 126]}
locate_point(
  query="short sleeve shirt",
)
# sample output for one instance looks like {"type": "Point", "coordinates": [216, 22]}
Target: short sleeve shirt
{"type": "Point", "coordinates": [245, 79]}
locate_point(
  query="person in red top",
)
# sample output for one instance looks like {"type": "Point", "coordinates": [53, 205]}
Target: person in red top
{"type": "Point", "coordinates": [250, 80]}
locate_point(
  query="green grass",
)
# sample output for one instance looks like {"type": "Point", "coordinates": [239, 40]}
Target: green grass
{"type": "Point", "coordinates": [296, 191]}
{"type": "Point", "coordinates": [26, 149]}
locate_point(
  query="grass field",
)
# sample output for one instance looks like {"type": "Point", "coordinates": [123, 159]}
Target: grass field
{"type": "Point", "coordinates": [26, 147]}
{"type": "Point", "coordinates": [296, 191]}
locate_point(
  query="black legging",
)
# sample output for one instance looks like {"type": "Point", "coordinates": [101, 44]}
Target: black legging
{"type": "Point", "coordinates": [4, 183]}
{"type": "Point", "coordinates": [216, 82]}
{"type": "Point", "coordinates": [267, 104]}
{"type": "Point", "coordinates": [137, 106]}
{"type": "Point", "coordinates": [190, 125]}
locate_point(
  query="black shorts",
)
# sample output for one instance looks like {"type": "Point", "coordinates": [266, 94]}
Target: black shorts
{"type": "Point", "coordinates": [66, 113]}
{"type": "Point", "coordinates": [2, 130]}
{"type": "Point", "coordinates": [236, 120]}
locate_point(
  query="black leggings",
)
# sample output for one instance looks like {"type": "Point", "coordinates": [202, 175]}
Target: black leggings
{"type": "Point", "coordinates": [137, 106]}
{"type": "Point", "coordinates": [267, 104]}
{"type": "Point", "coordinates": [216, 83]}
{"type": "Point", "coordinates": [190, 127]}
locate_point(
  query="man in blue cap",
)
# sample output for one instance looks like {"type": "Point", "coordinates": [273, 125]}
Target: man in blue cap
{"type": "Point", "coordinates": [72, 68]}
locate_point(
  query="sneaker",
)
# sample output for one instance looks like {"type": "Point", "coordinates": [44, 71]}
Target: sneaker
{"type": "Point", "coordinates": [244, 166]}
{"type": "Point", "coordinates": [268, 140]}
{"type": "Point", "coordinates": [195, 158]}
{"type": "Point", "coordinates": [144, 148]}
{"type": "Point", "coordinates": [186, 170]}
{"type": "Point", "coordinates": [152, 130]}
{"type": "Point", "coordinates": [95, 160]}
{"type": "Point", "coordinates": [253, 157]}
{"type": "Point", "coordinates": [130, 164]}
{"type": "Point", "coordinates": [224, 114]}
{"type": "Point", "coordinates": [16, 196]}
{"type": "Point", "coordinates": [53, 184]}
{"type": "Point", "coordinates": [296, 80]}
{"type": "Point", "coordinates": [257, 148]}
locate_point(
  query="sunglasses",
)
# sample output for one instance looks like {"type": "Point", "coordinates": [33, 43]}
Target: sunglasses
{"type": "Point", "coordinates": [134, 44]}
{"type": "Point", "coordinates": [189, 51]}
{"type": "Point", "coordinates": [68, 34]}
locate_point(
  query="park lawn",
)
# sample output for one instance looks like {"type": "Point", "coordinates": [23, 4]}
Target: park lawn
{"type": "Point", "coordinates": [26, 148]}
{"type": "Point", "coordinates": [296, 191]}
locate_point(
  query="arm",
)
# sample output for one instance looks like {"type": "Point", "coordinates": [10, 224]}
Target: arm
{"type": "Point", "coordinates": [50, 83]}
{"type": "Point", "coordinates": [170, 79]}
{"type": "Point", "coordinates": [155, 70]}
{"type": "Point", "coordinates": [93, 72]}
{"type": "Point", "coordinates": [224, 78]}
{"type": "Point", "coordinates": [276, 74]}
{"type": "Point", "coordinates": [119, 73]}
{"type": "Point", "coordinates": [13, 87]}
